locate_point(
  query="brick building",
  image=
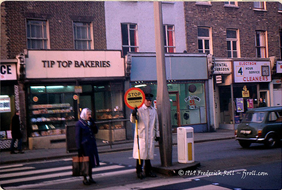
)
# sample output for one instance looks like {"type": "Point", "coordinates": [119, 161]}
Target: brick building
{"type": "Point", "coordinates": [241, 17]}
{"type": "Point", "coordinates": [245, 39]}
{"type": "Point", "coordinates": [59, 17]}
{"type": "Point", "coordinates": [60, 49]}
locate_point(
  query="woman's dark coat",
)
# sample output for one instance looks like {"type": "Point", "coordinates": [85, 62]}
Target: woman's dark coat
{"type": "Point", "coordinates": [85, 140]}
{"type": "Point", "coordinates": [16, 131]}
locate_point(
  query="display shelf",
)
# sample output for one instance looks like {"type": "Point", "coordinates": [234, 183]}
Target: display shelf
{"type": "Point", "coordinates": [48, 119]}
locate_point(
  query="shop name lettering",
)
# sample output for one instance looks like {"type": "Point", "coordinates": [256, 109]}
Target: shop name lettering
{"type": "Point", "coordinates": [221, 67]}
{"type": "Point", "coordinates": [77, 64]}
{"type": "Point", "coordinates": [254, 79]}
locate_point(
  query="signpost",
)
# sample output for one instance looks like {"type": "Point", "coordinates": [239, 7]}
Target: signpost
{"type": "Point", "coordinates": [135, 98]}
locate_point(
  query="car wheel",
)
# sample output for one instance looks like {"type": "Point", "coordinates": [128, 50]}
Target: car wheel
{"type": "Point", "coordinates": [270, 141]}
{"type": "Point", "coordinates": [245, 144]}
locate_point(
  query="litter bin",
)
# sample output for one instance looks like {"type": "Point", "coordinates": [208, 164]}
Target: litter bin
{"type": "Point", "coordinates": [185, 144]}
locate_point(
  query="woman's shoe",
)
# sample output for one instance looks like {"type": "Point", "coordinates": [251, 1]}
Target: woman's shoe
{"type": "Point", "coordinates": [91, 181]}
{"type": "Point", "coordinates": [85, 182]}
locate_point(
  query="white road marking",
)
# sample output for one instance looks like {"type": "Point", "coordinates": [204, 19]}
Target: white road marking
{"type": "Point", "coordinates": [68, 173]}
{"type": "Point", "coordinates": [73, 179]}
{"type": "Point", "coordinates": [16, 169]}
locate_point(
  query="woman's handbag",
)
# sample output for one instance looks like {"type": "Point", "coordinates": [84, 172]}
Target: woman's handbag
{"type": "Point", "coordinates": [80, 166]}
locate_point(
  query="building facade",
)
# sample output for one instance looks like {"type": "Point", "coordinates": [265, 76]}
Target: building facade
{"type": "Point", "coordinates": [245, 39]}
{"type": "Point", "coordinates": [59, 57]}
{"type": "Point", "coordinates": [62, 66]}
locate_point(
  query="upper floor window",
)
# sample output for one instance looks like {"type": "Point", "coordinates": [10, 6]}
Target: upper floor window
{"type": "Point", "coordinates": [169, 45]}
{"type": "Point", "coordinates": [260, 5]}
{"type": "Point", "coordinates": [261, 44]}
{"type": "Point", "coordinates": [82, 35]}
{"type": "Point", "coordinates": [37, 37]}
{"type": "Point", "coordinates": [279, 7]}
{"type": "Point", "coordinates": [232, 43]}
{"type": "Point", "coordinates": [203, 3]}
{"type": "Point", "coordinates": [129, 38]}
{"type": "Point", "coordinates": [204, 40]}
{"type": "Point", "coordinates": [280, 35]}
{"type": "Point", "coordinates": [230, 3]}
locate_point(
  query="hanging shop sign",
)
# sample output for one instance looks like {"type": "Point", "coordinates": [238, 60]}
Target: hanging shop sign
{"type": "Point", "coordinates": [279, 67]}
{"type": "Point", "coordinates": [134, 97]}
{"type": "Point", "coordinates": [245, 92]}
{"type": "Point", "coordinates": [5, 103]}
{"type": "Point", "coordinates": [8, 72]}
{"type": "Point", "coordinates": [70, 64]}
{"type": "Point", "coordinates": [251, 71]}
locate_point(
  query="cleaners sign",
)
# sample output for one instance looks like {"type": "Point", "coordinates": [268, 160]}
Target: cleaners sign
{"type": "Point", "coordinates": [251, 71]}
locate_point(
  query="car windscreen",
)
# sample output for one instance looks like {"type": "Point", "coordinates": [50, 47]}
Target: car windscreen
{"type": "Point", "coordinates": [256, 117]}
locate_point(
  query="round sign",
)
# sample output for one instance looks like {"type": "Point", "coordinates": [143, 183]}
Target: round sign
{"type": "Point", "coordinates": [75, 97]}
{"type": "Point", "coordinates": [134, 97]}
{"type": "Point", "coordinates": [35, 98]}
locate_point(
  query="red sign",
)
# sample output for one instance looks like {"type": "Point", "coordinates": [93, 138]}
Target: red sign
{"type": "Point", "coordinates": [134, 97]}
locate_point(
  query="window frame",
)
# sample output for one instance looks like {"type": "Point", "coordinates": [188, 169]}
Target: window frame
{"type": "Point", "coordinates": [45, 42]}
{"type": "Point", "coordinates": [260, 46]}
{"type": "Point", "coordinates": [168, 38]}
{"type": "Point", "coordinates": [229, 4]}
{"type": "Point", "coordinates": [280, 42]}
{"type": "Point", "coordinates": [203, 38]}
{"type": "Point", "coordinates": [233, 40]}
{"type": "Point", "coordinates": [259, 6]}
{"type": "Point", "coordinates": [205, 3]}
{"type": "Point", "coordinates": [279, 7]}
{"type": "Point", "coordinates": [135, 37]}
{"type": "Point", "coordinates": [89, 34]}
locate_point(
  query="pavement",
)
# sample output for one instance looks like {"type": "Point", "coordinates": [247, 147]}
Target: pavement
{"type": "Point", "coordinates": [56, 153]}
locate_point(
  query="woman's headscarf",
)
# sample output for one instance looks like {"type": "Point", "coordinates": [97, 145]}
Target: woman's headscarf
{"type": "Point", "coordinates": [84, 112]}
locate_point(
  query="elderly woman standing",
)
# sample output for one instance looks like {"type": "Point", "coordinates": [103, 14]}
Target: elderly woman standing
{"type": "Point", "coordinates": [85, 130]}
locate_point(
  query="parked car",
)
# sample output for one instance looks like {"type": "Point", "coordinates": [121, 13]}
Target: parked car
{"type": "Point", "coordinates": [260, 125]}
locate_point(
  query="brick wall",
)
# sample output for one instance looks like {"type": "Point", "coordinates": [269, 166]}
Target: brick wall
{"type": "Point", "coordinates": [244, 18]}
{"type": "Point", "coordinates": [59, 15]}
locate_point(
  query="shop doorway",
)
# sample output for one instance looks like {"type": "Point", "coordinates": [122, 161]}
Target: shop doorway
{"type": "Point", "coordinates": [174, 109]}
{"type": "Point", "coordinates": [265, 96]}
{"type": "Point", "coordinates": [225, 104]}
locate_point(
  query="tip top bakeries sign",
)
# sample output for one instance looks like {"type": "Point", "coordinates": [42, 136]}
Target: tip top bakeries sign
{"type": "Point", "coordinates": [70, 64]}
{"type": "Point", "coordinates": [251, 71]}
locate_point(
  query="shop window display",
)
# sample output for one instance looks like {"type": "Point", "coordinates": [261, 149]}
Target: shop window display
{"type": "Point", "coordinates": [109, 112]}
{"type": "Point", "coordinates": [191, 102]}
{"type": "Point", "coordinates": [49, 112]}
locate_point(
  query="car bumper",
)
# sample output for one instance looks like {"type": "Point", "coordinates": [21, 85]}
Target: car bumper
{"type": "Point", "coordinates": [250, 139]}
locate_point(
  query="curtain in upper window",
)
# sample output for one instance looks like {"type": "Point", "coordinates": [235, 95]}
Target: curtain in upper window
{"type": "Point", "coordinates": [36, 34]}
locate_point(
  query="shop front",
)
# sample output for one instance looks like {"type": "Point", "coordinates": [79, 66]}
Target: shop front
{"type": "Point", "coordinates": [61, 83]}
{"type": "Point", "coordinates": [251, 87]}
{"type": "Point", "coordinates": [277, 84]}
{"type": "Point", "coordinates": [9, 100]}
{"type": "Point", "coordinates": [223, 93]}
{"type": "Point", "coordinates": [187, 82]}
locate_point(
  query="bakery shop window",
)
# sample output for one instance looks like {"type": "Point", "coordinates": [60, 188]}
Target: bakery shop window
{"type": "Point", "coordinates": [109, 113]}
{"type": "Point", "coordinates": [49, 109]}
{"type": "Point", "coordinates": [108, 102]}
